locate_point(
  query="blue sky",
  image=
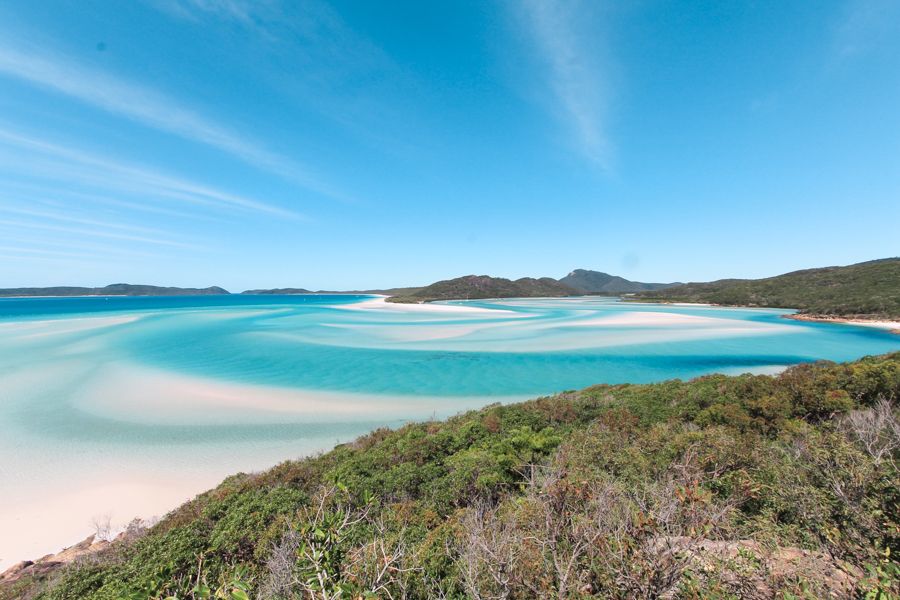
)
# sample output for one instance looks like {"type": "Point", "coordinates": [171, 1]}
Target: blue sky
{"type": "Point", "coordinates": [365, 144]}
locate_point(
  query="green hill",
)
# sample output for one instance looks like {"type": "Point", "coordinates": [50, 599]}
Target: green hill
{"type": "Point", "coordinates": [868, 289]}
{"type": "Point", "coordinates": [277, 291]}
{"type": "Point", "coordinates": [115, 289]}
{"type": "Point", "coordinates": [290, 291]}
{"type": "Point", "coordinates": [720, 487]}
{"type": "Point", "coordinates": [597, 282]}
{"type": "Point", "coordinates": [472, 287]}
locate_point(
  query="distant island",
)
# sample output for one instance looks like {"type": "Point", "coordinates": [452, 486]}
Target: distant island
{"type": "Point", "coordinates": [115, 289]}
{"type": "Point", "coordinates": [277, 291]}
{"type": "Point", "coordinates": [578, 282]}
{"type": "Point", "coordinates": [472, 287]}
{"type": "Point", "coordinates": [300, 291]}
{"type": "Point", "coordinates": [867, 290]}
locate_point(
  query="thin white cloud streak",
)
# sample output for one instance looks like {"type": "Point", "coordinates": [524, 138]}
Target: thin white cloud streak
{"type": "Point", "coordinates": [237, 10]}
{"type": "Point", "coordinates": [49, 254]}
{"type": "Point", "coordinates": [47, 259]}
{"type": "Point", "coordinates": [575, 75]}
{"type": "Point", "coordinates": [16, 224]}
{"type": "Point", "coordinates": [79, 246]}
{"type": "Point", "coordinates": [43, 214]}
{"type": "Point", "coordinates": [317, 60]}
{"type": "Point", "coordinates": [867, 24]}
{"type": "Point", "coordinates": [32, 192]}
{"type": "Point", "coordinates": [148, 107]}
{"type": "Point", "coordinates": [138, 178]}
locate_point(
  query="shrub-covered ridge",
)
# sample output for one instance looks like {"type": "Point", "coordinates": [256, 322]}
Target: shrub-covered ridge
{"type": "Point", "coordinates": [721, 487]}
{"type": "Point", "coordinates": [868, 289]}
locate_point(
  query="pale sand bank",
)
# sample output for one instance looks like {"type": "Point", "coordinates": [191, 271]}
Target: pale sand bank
{"type": "Point", "coordinates": [381, 303]}
{"type": "Point", "coordinates": [46, 327]}
{"type": "Point", "coordinates": [537, 334]}
{"type": "Point", "coordinates": [659, 319]}
{"type": "Point", "coordinates": [161, 397]}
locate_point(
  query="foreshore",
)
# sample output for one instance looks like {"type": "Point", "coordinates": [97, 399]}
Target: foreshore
{"type": "Point", "coordinates": [892, 326]}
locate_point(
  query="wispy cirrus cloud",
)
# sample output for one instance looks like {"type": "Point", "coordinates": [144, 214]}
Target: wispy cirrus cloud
{"type": "Point", "coordinates": [65, 193]}
{"type": "Point", "coordinates": [150, 107]}
{"type": "Point", "coordinates": [575, 73]}
{"type": "Point", "coordinates": [244, 11]}
{"type": "Point", "coordinates": [91, 232]}
{"type": "Point", "coordinates": [43, 215]}
{"type": "Point", "coordinates": [317, 60]}
{"type": "Point", "coordinates": [52, 244]}
{"type": "Point", "coordinates": [74, 164]}
{"type": "Point", "coordinates": [865, 25]}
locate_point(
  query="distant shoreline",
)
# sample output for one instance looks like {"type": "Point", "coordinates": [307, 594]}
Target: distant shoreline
{"type": "Point", "coordinates": [892, 326]}
{"type": "Point", "coordinates": [189, 295]}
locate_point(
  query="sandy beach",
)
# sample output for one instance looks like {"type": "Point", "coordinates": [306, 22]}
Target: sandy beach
{"type": "Point", "coordinates": [381, 303]}
{"type": "Point", "coordinates": [892, 326]}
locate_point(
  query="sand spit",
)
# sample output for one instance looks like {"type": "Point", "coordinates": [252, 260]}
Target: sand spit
{"type": "Point", "coordinates": [381, 303]}
{"type": "Point", "coordinates": [892, 326]}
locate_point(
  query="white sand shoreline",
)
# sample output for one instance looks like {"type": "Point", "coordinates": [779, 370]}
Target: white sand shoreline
{"type": "Point", "coordinates": [892, 326]}
{"type": "Point", "coordinates": [381, 303]}
{"type": "Point", "coordinates": [55, 509]}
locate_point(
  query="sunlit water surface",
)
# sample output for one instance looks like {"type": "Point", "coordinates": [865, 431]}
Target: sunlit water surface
{"type": "Point", "coordinates": [127, 406]}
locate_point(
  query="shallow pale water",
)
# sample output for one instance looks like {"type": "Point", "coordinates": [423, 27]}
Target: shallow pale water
{"type": "Point", "coordinates": [127, 406]}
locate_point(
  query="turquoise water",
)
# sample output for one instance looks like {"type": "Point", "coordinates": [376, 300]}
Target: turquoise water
{"type": "Point", "coordinates": [466, 353]}
{"type": "Point", "coordinates": [534, 346]}
{"type": "Point", "coordinates": [186, 390]}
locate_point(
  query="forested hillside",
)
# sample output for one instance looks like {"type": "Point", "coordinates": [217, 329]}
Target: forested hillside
{"type": "Point", "coordinates": [471, 287]}
{"type": "Point", "coordinates": [596, 282]}
{"type": "Point", "coordinates": [870, 289]}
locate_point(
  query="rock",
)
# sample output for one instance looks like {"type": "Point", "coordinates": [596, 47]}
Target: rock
{"type": "Point", "coordinates": [51, 562]}
{"type": "Point", "coordinates": [753, 571]}
{"type": "Point", "coordinates": [86, 547]}
{"type": "Point", "coordinates": [14, 571]}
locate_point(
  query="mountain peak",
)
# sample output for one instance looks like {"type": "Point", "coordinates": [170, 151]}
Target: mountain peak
{"type": "Point", "coordinates": [598, 282]}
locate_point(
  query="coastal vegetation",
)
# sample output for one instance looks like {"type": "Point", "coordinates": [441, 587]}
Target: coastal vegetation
{"type": "Point", "coordinates": [869, 289]}
{"type": "Point", "coordinates": [722, 487]}
{"type": "Point", "coordinates": [471, 287]}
